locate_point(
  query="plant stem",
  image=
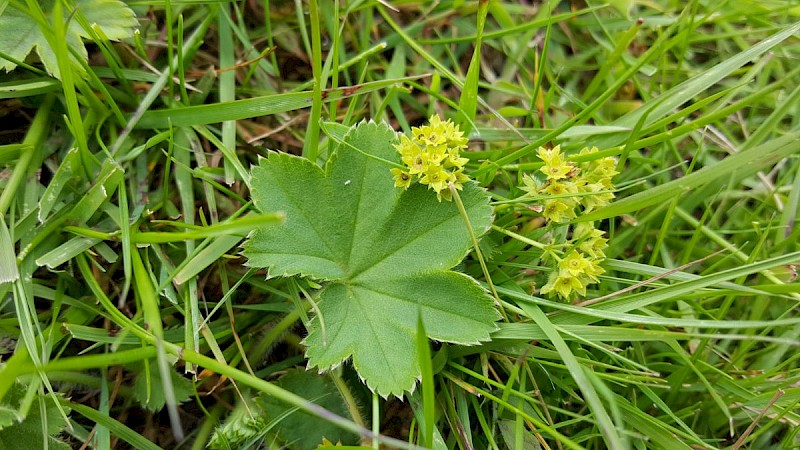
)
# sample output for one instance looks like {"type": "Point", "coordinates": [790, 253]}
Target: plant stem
{"type": "Point", "coordinates": [311, 143]}
{"type": "Point", "coordinates": [478, 253]}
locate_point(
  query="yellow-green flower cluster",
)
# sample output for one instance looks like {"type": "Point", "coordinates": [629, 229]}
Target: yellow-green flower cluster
{"type": "Point", "coordinates": [581, 265]}
{"type": "Point", "coordinates": [596, 181]}
{"type": "Point", "coordinates": [570, 189]}
{"type": "Point", "coordinates": [432, 156]}
{"type": "Point", "coordinates": [572, 185]}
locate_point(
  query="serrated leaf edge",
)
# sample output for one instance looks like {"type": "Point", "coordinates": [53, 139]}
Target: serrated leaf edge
{"type": "Point", "coordinates": [325, 171]}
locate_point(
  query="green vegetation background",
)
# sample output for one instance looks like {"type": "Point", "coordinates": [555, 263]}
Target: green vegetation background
{"type": "Point", "coordinates": [129, 319]}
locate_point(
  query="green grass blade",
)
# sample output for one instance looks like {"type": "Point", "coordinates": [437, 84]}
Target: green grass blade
{"type": "Point", "coordinates": [687, 90]}
{"type": "Point", "coordinates": [28, 87]}
{"type": "Point", "coordinates": [311, 141]}
{"type": "Point", "coordinates": [205, 257]}
{"type": "Point", "coordinates": [117, 428]}
{"type": "Point", "coordinates": [428, 384]}
{"type": "Point", "coordinates": [240, 226]}
{"type": "Point", "coordinates": [732, 168]}
{"type": "Point", "coordinates": [148, 299]}
{"type": "Point", "coordinates": [8, 257]}
{"type": "Point", "coordinates": [253, 107]}
{"type": "Point", "coordinates": [227, 83]}
{"type": "Point", "coordinates": [468, 103]}
{"type": "Point", "coordinates": [607, 427]}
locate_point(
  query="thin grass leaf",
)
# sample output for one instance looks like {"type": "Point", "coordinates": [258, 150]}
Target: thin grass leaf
{"type": "Point", "coordinates": [150, 304]}
{"type": "Point", "coordinates": [204, 258]}
{"type": "Point", "coordinates": [607, 427]}
{"type": "Point", "coordinates": [253, 107]}
{"type": "Point", "coordinates": [28, 88]}
{"type": "Point", "coordinates": [66, 251]}
{"type": "Point", "coordinates": [427, 384]}
{"type": "Point", "coordinates": [8, 257]}
{"type": "Point", "coordinates": [735, 167]}
{"type": "Point", "coordinates": [687, 90]}
{"type": "Point", "coordinates": [227, 83]}
{"type": "Point", "coordinates": [69, 169]}
{"type": "Point", "coordinates": [468, 102]}
{"type": "Point", "coordinates": [126, 434]}
{"type": "Point", "coordinates": [239, 226]}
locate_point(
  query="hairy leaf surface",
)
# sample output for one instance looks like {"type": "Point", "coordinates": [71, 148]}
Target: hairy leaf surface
{"type": "Point", "coordinates": [38, 428]}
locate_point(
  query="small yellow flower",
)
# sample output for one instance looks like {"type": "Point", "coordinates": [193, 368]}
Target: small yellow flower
{"type": "Point", "coordinates": [407, 148]}
{"type": "Point", "coordinates": [551, 156]}
{"type": "Point", "coordinates": [556, 172]}
{"type": "Point", "coordinates": [437, 154]}
{"type": "Point", "coordinates": [418, 163]}
{"type": "Point", "coordinates": [590, 240]}
{"type": "Point", "coordinates": [436, 178]}
{"type": "Point", "coordinates": [559, 187]}
{"type": "Point", "coordinates": [564, 285]}
{"type": "Point", "coordinates": [575, 264]}
{"type": "Point", "coordinates": [594, 270]}
{"type": "Point", "coordinates": [555, 167]}
{"type": "Point", "coordinates": [458, 178]}
{"type": "Point", "coordinates": [557, 210]}
{"type": "Point", "coordinates": [454, 159]}
{"type": "Point", "coordinates": [432, 135]}
{"type": "Point", "coordinates": [402, 179]}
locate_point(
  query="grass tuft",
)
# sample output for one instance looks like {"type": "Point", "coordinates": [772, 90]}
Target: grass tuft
{"type": "Point", "coordinates": [125, 198]}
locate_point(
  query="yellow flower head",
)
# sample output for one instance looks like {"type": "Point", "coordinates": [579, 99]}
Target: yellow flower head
{"type": "Point", "coordinates": [564, 284]}
{"type": "Point", "coordinates": [555, 167]}
{"type": "Point", "coordinates": [575, 264]}
{"type": "Point", "coordinates": [402, 179]}
{"type": "Point", "coordinates": [432, 156]}
{"type": "Point", "coordinates": [436, 178]}
{"type": "Point", "coordinates": [558, 210]}
{"type": "Point", "coordinates": [571, 189]}
{"type": "Point", "coordinates": [551, 156]}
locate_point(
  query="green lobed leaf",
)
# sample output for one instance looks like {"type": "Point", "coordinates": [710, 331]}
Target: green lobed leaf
{"type": "Point", "coordinates": [28, 431]}
{"type": "Point", "coordinates": [298, 429]}
{"type": "Point", "coordinates": [510, 433]}
{"type": "Point", "coordinates": [385, 252]}
{"type": "Point", "coordinates": [242, 426]}
{"type": "Point", "coordinates": [21, 33]}
{"type": "Point", "coordinates": [156, 400]}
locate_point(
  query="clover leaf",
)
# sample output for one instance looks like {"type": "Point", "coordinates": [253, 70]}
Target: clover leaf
{"type": "Point", "coordinates": [21, 33]}
{"type": "Point", "coordinates": [383, 252]}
